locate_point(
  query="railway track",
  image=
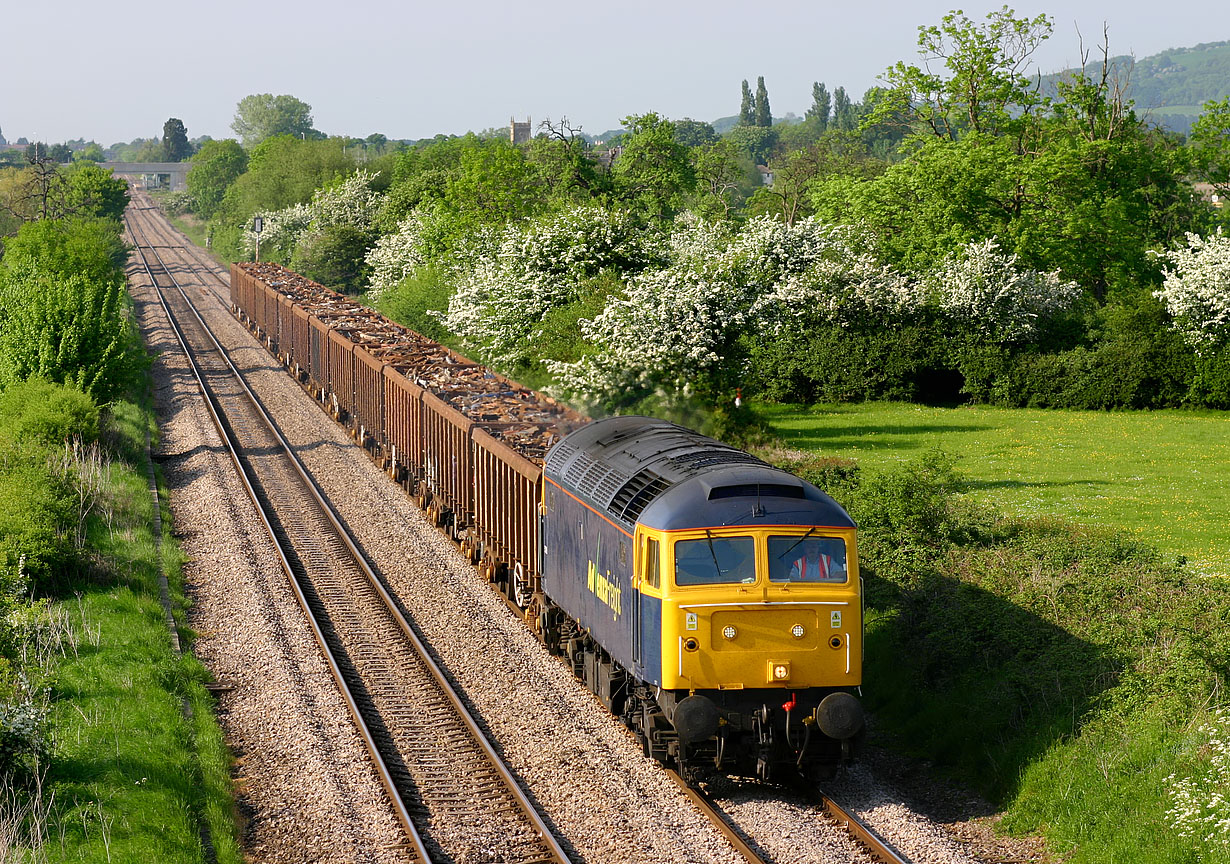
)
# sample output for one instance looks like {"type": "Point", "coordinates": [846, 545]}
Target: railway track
{"type": "Point", "coordinates": [453, 795]}
{"type": "Point", "coordinates": [871, 843]}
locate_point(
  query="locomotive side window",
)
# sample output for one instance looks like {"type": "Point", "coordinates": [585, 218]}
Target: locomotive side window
{"type": "Point", "coordinates": [807, 559]}
{"type": "Point", "coordinates": [715, 561]}
{"type": "Point", "coordinates": [653, 566]}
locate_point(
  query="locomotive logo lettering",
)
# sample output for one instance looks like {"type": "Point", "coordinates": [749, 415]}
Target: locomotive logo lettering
{"type": "Point", "coordinates": [604, 588]}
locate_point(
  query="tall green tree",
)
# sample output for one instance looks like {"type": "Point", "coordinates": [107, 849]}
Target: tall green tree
{"type": "Point", "coordinates": [1211, 145]}
{"type": "Point", "coordinates": [654, 172]}
{"type": "Point", "coordinates": [972, 75]}
{"type": "Point", "coordinates": [214, 168]}
{"type": "Point", "coordinates": [175, 145]}
{"type": "Point", "coordinates": [747, 107]}
{"type": "Point", "coordinates": [764, 115]}
{"type": "Point", "coordinates": [821, 106]}
{"type": "Point", "coordinates": [844, 116]}
{"type": "Point", "coordinates": [263, 115]}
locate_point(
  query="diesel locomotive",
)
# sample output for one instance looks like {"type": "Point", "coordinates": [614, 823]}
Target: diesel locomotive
{"type": "Point", "coordinates": [709, 600]}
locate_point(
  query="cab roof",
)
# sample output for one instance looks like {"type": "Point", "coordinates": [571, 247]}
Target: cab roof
{"type": "Point", "coordinates": [666, 477]}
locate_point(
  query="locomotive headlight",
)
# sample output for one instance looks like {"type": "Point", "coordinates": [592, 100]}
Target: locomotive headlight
{"type": "Point", "coordinates": [729, 631]}
{"type": "Point", "coordinates": [797, 631]}
{"type": "Point", "coordinates": [779, 670]}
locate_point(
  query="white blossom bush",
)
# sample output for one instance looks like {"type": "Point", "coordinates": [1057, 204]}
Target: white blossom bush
{"type": "Point", "coordinates": [1200, 804]}
{"type": "Point", "coordinates": [983, 287]}
{"type": "Point", "coordinates": [674, 325]}
{"type": "Point", "coordinates": [512, 284]}
{"type": "Point", "coordinates": [351, 203]}
{"type": "Point", "coordinates": [397, 255]}
{"type": "Point", "coordinates": [281, 230]}
{"type": "Point", "coordinates": [1196, 289]}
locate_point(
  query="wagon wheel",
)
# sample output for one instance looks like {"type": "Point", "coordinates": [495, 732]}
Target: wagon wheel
{"type": "Point", "coordinates": [521, 593]}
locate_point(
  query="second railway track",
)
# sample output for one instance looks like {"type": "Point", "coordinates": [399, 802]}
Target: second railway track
{"type": "Point", "coordinates": [455, 798]}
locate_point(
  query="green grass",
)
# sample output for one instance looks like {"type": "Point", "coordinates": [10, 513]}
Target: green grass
{"type": "Point", "coordinates": [1162, 476]}
{"type": "Point", "coordinates": [132, 778]}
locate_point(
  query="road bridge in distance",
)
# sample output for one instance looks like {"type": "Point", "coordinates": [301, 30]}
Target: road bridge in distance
{"type": "Point", "coordinates": [153, 175]}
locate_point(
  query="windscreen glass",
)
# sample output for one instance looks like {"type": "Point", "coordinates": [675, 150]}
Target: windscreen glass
{"type": "Point", "coordinates": [714, 561]}
{"type": "Point", "coordinates": [807, 559]}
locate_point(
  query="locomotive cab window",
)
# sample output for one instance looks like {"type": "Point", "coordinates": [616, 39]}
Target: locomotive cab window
{"type": "Point", "coordinates": [807, 559]}
{"type": "Point", "coordinates": [715, 561]}
{"type": "Point", "coordinates": [652, 564]}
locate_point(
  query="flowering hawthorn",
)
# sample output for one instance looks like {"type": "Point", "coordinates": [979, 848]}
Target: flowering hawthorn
{"type": "Point", "coordinates": [351, 203]}
{"type": "Point", "coordinates": [1196, 290]}
{"type": "Point", "coordinates": [983, 287]}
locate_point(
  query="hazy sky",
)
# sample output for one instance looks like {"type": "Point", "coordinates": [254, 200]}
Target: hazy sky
{"type": "Point", "coordinates": [113, 72]}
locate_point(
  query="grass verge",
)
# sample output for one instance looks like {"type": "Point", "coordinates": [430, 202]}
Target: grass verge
{"type": "Point", "coordinates": [130, 778]}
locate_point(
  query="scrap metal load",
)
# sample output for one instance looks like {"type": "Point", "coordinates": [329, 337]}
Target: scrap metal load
{"type": "Point", "coordinates": [468, 443]}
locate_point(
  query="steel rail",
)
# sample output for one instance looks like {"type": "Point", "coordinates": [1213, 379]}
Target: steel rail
{"type": "Point", "coordinates": [859, 830]}
{"type": "Point", "coordinates": [555, 851]}
{"type": "Point", "coordinates": [215, 413]}
{"type": "Point", "coordinates": [720, 820]}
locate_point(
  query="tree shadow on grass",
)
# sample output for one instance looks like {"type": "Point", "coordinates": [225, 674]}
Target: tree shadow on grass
{"type": "Point", "coordinates": [973, 682]}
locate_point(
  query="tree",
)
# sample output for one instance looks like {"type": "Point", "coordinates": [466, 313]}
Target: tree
{"type": "Point", "coordinates": [756, 141]}
{"type": "Point", "coordinates": [985, 89]}
{"type": "Point", "coordinates": [263, 115]}
{"type": "Point", "coordinates": [92, 191]}
{"type": "Point", "coordinates": [1211, 142]}
{"type": "Point", "coordinates": [694, 133]}
{"type": "Point", "coordinates": [821, 106]}
{"type": "Point", "coordinates": [654, 171]}
{"type": "Point", "coordinates": [764, 117]}
{"type": "Point", "coordinates": [844, 117]}
{"type": "Point", "coordinates": [60, 153]}
{"type": "Point", "coordinates": [175, 146]}
{"type": "Point", "coordinates": [214, 168]}
{"type": "Point", "coordinates": [718, 173]}
{"type": "Point", "coordinates": [747, 108]}
{"type": "Point", "coordinates": [91, 152]}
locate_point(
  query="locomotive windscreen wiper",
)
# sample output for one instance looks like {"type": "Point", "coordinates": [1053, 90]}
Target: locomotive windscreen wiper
{"type": "Point", "coordinates": [782, 557]}
{"type": "Point", "coordinates": [717, 568]}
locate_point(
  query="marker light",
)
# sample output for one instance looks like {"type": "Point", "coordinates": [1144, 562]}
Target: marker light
{"type": "Point", "coordinates": [797, 631]}
{"type": "Point", "coordinates": [729, 631]}
{"type": "Point", "coordinates": [779, 671]}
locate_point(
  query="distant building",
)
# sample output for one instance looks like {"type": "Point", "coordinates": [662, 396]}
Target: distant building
{"type": "Point", "coordinates": [1209, 193]}
{"type": "Point", "coordinates": [518, 133]}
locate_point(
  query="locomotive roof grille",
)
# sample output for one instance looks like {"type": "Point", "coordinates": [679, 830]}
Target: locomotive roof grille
{"type": "Point", "coordinates": [756, 490]}
{"type": "Point", "coordinates": [706, 458]}
{"type": "Point", "coordinates": [636, 494]}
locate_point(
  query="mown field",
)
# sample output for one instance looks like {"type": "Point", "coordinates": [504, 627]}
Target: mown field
{"type": "Point", "coordinates": [1164, 476]}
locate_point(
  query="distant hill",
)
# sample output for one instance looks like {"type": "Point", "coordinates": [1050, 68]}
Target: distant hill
{"type": "Point", "coordinates": [1171, 87]}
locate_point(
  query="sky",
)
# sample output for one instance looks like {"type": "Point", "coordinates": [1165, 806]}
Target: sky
{"type": "Point", "coordinates": [412, 69]}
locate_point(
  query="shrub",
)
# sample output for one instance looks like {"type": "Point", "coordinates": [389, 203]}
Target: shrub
{"type": "Point", "coordinates": [38, 411]}
{"type": "Point", "coordinates": [333, 256]}
{"type": "Point", "coordinates": [68, 329]}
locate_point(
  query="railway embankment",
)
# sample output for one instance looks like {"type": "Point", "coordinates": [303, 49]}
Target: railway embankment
{"type": "Point", "coordinates": [1068, 672]}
